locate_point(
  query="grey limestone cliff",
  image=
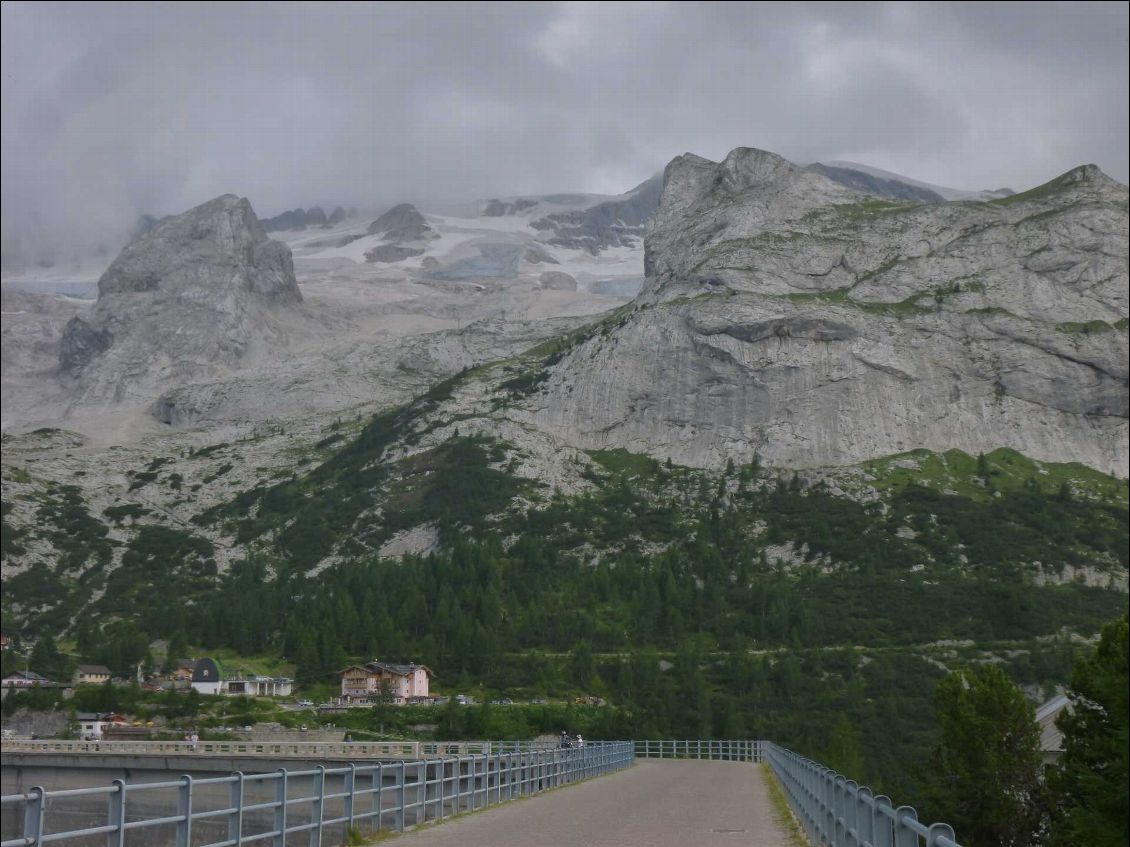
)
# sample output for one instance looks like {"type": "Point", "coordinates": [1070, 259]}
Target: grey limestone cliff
{"type": "Point", "coordinates": [196, 294]}
{"type": "Point", "coordinates": [788, 316]}
{"type": "Point", "coordinates": [613, 223]}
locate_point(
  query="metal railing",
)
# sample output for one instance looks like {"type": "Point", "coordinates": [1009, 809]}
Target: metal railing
{"type": "Point", "coordinates": [268, 807]}
{"type": "Point", "coordinates": [838, 811]}
{"type": "Point", "coordinates": [270, 749]}
{"type": "Point", "coordinates": [713, 749]}
{"type": "Point", "coordinates": [833, 809]}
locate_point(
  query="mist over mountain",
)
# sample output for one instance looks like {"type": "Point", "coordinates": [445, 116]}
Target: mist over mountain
{"type": "Point", "coordinates": [407, 332]}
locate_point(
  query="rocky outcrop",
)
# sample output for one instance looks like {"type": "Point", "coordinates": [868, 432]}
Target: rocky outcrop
{"type": "Point", "coordinates": [881, 183]}
{"type": "Point", "coordinates": [537, 255]}
{"type": "Point", "coordinates": [614, 223]}
{"type": "Point", "coordinates": [195, 295]}
{"type": "Point", "coordinates": [557, 281]}
{"type": "Point", "coordinates": [877, 186]}
{"type": "Point", "coordinates": [392, 253]}
{"type": "Point", "coordinates": [787, 316]}
{"type": "Point", "coordinates": [500, 209]}
{"type": "Point", "coordinates": [289, 221]}
{"type": "Point", "coordinates": [402, 223]}
{"type": "Point", "coordinates": [81, 343]}
{"type": "Point", "coordinates": [296, 220]}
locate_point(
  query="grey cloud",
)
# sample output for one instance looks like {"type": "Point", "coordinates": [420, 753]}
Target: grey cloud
{"type": "Point", "coordinates": [111, 110]}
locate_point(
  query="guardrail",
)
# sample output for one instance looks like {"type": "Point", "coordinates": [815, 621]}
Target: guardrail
{"type": "Point", "coordinates": [715, 749]}
{"type": "Point", "coordinates": [836, 810]}
{"type": "Point", "coordinates": [271, 749]}
{"type": "Point", "coordinates": [262, 808]}
{"type": "Point", "coordinates": [833, 809]}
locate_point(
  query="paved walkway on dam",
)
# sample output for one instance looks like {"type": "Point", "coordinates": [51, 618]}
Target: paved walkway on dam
{"type": "Point", "coordinates": [655, 803]}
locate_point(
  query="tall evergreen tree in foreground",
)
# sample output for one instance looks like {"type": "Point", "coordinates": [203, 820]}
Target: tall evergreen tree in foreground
{"type": "Point", "coordinates": [1091, 780]}
{"type": "Point", "coordinates": [985, 774]}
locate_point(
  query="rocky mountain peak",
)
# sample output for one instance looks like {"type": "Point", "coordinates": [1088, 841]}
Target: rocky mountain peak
{"type": "Point", "coordinates": [698, 195]}
{"type": "Point", "coordinates": [222, 233]}
{"type": "Point", "coordinates": [814, 325]}
{"type": "Point", "coordinates": [196, 292]}
{"type": "Point", "coordinates": [402, 222]}
{"type": "Point", "coordinates": [1089, 175]}
{"type": "Point", "coordinates": [748, 167]}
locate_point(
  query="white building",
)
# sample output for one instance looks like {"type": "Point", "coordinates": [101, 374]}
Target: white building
{"type": "Point", "coordinates": [259, 686]}
{"type": "Point", "coordinates": [208, 678]}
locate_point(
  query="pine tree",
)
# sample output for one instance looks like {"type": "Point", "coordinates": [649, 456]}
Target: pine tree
{"type": "Point", "coordinates": [984, 777]}
{"type": "Point", "coordinates": [1091, 779]}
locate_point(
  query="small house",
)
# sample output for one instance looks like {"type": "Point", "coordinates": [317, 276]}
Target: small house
{"type": "Point", "coordinates": [92, 675]}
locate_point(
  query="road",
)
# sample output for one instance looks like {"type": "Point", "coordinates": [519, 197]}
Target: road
{"type": "Point", "coordinates": [654, 803]}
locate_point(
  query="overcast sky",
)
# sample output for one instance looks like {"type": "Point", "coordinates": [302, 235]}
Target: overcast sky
{"type": "Point", "coordinates": [111, 110]}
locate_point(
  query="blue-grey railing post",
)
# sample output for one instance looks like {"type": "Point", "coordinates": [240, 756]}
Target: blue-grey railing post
{"type": "Point", "coordinates": [401, 797]}
{"type": "Point", "coordinates": [865, 825]}
{"type": "Point", "coordinates": [184, 810]}
{"type": "Point", "coordinates": [350, 793]}
{"type": "Point", "coordinates": [317, 810]}
{"type": "Point", "coordinates": [457, 780]}
{"type": "Point", "coordinates": [839, 809]}
{"type": "Point", "coordinates": [421, 804]}
{"type": "Point", "coordinates": [467, 778]}
{"type": "Point", "coordinates": [904, 835]}
{"type": "Point", "coordinates": [480, 784]}
{"type": "Point", "coordinates": [851, 809]}
{"type": "Point", "coordinates": [379, 785]}
{"type": "Point", "coordinates": [235, 816]}
{"type": "Point", "coordinates": [281, 790]}
{"type": "Point", "coordinates": [34, 808]}
{"type": "Point", "coordinates": [939, 830]}
{"type": "Point", "coordinates": [828, 800]}
{"type": "Point", "coordinates": [884, 822]}
{"type": "Point", "coordinates": [482, 781]}
{"type": "Point", "coordinates": [117, 815]}
{"type": "Point", "coordinates": [441, 778]}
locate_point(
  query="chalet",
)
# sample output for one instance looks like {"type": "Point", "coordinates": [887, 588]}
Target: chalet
{"type": "Point", "coordinates": [363, 684]}
{"type": "Point", "coordinates": [92, 675]}
{"type": "Point", "coordinates": [181, 675]}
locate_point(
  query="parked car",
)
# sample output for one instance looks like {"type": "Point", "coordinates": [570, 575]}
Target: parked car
{"type": "Point", "coordinates": [306, 704]}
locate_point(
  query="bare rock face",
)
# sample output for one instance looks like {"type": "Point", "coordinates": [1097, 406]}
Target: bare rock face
{"type": "Point", "coordinates": [196, 295]}
{"type": "Point", "coordinates": [392, 253]}
{"type": "Point", "coordinates": [402, 223]}
{"type": "Point", "coordinates": [81, 343]}
{"type": "Point", "coordinates": [614, 223]}
{"type": "Point", "coordinates": [787, 316]}
{"type": "Point", "coordinates": [557, 281]}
